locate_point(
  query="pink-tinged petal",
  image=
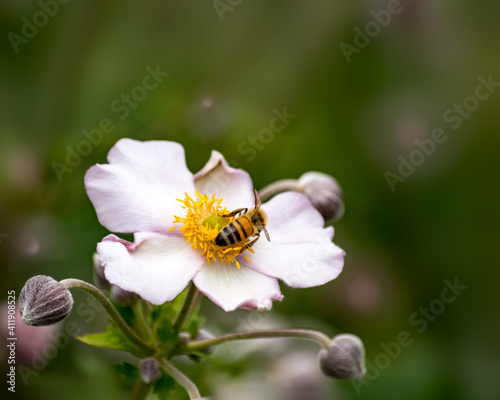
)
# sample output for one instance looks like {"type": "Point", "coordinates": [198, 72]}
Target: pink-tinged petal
{"type": "Point", "coordinates": [232, 288]}
{"type": "Point", "coordinates": [157, 267]}
{"type": "Point", "coordinates": [233, 185]}
{"type": "Point", "coordinates": [301, 252]}
{"type": "Point", "coordinates": [137, 190]}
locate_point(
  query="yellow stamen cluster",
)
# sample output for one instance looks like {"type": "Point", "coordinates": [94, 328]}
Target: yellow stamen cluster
{"type": "Point", "coordinates": [201, 224]}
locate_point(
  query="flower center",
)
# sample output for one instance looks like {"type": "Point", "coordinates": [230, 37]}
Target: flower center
{"type": "Point", "coordinates": [204, 219]}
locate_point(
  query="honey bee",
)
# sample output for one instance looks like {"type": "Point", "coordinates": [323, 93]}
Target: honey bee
{"type": "Point", "coordinates": [250, 223]}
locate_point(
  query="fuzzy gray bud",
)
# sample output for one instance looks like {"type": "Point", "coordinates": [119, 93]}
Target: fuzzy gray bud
{"type": "Point", "coordinates": [99, 278]}
{"type": "Point", "coordinates": [150, 370]}
{"type": "Point", "coordinates": [122, 297]}
{"type": "Point", "coordinates": [44, 301]}
{"type": "Point", "coordinates": [325, 194]}
{"type": "Point", "coordinates": [185, 337]}
{"type": "Point", "coordinates": [203, 335]}
{"type": "Point", "coordinates": [344, 358]}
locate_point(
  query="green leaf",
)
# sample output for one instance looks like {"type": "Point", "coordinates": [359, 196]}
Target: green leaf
{"type": "Point", "coordinates": [128, 373]}
{"type": "Point", "coordinates": [166, 333]}
{"type": "Point", "coordinates": [113, 338]}
{"type": "Point", "coordinates": [194, 323]}
{"type": "Point", "coordinates": [168, 310]}
{"type": "Point", "coordinates": [163, 387]}
{"type": "Point", "coordinates": [162, 313]}
{"type": "Point", "coordinates": [126, 313]}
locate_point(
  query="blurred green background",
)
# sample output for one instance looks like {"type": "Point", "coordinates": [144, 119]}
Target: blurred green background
{"type": "Point", "coordinates": [229, 66]}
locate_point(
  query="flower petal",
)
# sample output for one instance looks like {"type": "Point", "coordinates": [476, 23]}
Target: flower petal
{"type": "Point", "coordinates": [137, 190]}
{"type": "Point", "coordinates": [157, 267]}
{"type": "Point", "coordinates": [231, 288]}
{"type": "Point", "coordinates": [301, 252]}
{"type": "Point", "coordinates": [233, 185]}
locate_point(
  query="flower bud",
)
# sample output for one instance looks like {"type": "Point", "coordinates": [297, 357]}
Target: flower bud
{"type": "Point", "coordinates": [44, 301]}
{"type": "Point", "coordinates": [150, 370]}
{"type": "Point", "coordinates": [185, 337]}
{"type": "Point", "coordinates": [344, 358]}
{"type": "Point", "coordinates": [325, 194]}
{"type": "Point", "coordinates": [203, 335]}
{"type": "Point", "coordinates": [122, 297]}
{"type": "Point", "coordinates": [99, 278]}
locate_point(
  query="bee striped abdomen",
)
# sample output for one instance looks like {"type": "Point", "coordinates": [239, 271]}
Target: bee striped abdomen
{"type": "Point", "coordinates": [238, 230]}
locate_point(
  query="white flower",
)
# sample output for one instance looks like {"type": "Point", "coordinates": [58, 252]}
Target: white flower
{"type": "Point", "coordinates": [146, 189]}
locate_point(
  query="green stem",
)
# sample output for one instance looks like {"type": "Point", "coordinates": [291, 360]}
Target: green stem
{"type": "Point", "coordinates": [307, 334]}
{"type": "Point", "coordinates": [140, 391]}
{"type": "Point", "coordinates": [196, 300]}
{"type": "Point", "coordinates": [111, 310]}
{"type": "Point", "coordinates": [192, 297]}
{"type": "Point", "coordinates": [182, 379]}
{"type": "Point", "coordinates": [140, 318]}
{"type": "Point", "coordinates": [279, 186]}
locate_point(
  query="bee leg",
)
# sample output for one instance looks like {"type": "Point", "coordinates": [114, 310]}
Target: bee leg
{"type": "Point", "coordinates": [235, 212]}
{"type": "Point", "coordinates": [248, 245]}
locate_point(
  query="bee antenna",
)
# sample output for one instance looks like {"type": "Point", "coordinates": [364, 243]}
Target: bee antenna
{"type": "Point", "coordinates": [258, 203]}
{"type": "Point", "coordinates": [267, 234]}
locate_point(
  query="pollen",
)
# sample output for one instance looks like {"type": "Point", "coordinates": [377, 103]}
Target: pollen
{"type": "Point", "coordinates": [205, 217]}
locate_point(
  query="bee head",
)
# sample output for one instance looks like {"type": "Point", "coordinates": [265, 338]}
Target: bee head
{"type": "Point", "coordinates": [258, 218]}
